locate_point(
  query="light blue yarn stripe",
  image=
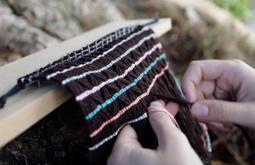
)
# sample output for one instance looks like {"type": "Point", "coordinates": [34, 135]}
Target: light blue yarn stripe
{"type": "Point", "coordinates": [177, 84]}
{"type": "Point", "coordinates": [123, 90]}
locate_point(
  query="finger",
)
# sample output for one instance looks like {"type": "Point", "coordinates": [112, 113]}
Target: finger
{"type": "Point", "coordinates": [171, 140]}
{"type": "Point", "coordinates": [127, 149]}
{"type": "Point", "coordinates": [218, 126]}
{"type": "Point", "coordinates": [162, 123]}
{"type": "Point", "coordinates": [172, 108]}
{"type": "Point", "coordinates": [206, 89]}
{"type": "Point", "coordinates": [204, 127]}
{"type": "Point", "coordinates": [127, 137]}
{"type": "Point", "coordinates": [203, 70]}
{"type": "Point", "coordinates": [224, 112]}
{"type": "Point", "coordinates": [190, 80]}
{"type": "Point", "coordinates": [124, 146]}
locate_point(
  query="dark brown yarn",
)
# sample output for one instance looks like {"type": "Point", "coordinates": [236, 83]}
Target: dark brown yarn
{"type": "Point", "coordinates": [164, 88]}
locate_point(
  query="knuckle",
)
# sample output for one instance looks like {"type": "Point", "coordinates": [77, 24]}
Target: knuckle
{"type": "Point", "coordinates": [195, 63]}
{"type": "Point", "coordinates": [237, 62]}
{"type": "Point", "coordinates": [161, 121]}
{"type": "Point", "coordinates": [180, 138]}
{"type": "Point", "coordinates": [220, 114]}
{"type": "Point", "coordinates": [159, 117]}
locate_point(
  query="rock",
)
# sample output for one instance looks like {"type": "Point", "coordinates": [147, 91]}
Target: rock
{"type": "Point", "coordinates": [95, 13]}
{"type": "Point", "coordinates": [18, 35]}
{"type": "Point", "coordinates": [7, 56]}
{"type": "Point", "coordinates": [65, 19]}
{"type": "Point", "coordinates": [13, 57]}
{"type": "Point", "coordinates": [57, 18]}
{"type": "Point", "coordinates": [203, 20]}
{"type": "Point", "coordinates": [2, 61]}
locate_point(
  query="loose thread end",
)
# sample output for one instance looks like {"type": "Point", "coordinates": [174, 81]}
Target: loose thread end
{"type": "Point", "coordinates": [2, 102]}
{"type": "Point", "coordinates": [179, 101]}
{"type": "Point", "coordinates": [18, 87]}
{"type": "Point", "coordinates": [154, 20]}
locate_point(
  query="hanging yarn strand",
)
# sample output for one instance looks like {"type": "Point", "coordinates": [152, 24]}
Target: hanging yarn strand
{"type": "Point", "coordinates": [17, 88]}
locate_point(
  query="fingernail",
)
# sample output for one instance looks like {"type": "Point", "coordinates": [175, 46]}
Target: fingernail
{"type": "Point", "coordinates": [172, 108]}
{"type": "Point", "coordinates": [157, 106]}
{"type": "Point", "coordinates": [199, 110]}
{"type": "Point", "coordinates": [127, 126]}
{"type": "Point", "coordinates": [204, 127]}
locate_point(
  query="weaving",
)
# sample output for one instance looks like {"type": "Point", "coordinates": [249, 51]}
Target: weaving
{"type": "Point", "coordinates": [114, 80]}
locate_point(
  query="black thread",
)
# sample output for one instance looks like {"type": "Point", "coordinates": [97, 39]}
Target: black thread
{"type": "Point", "coordinates": [154, 20]}
{"type": "Point", "coordinates": [18, 87]}
{"type": "Point", "coordinates": [175, 100]}
{"type": "Point", "coordinates": [249, 141]}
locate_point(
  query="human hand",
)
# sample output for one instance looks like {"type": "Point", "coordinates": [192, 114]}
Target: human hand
{"type": "Point", "coordinates": [223, 91]}
{"type": "Point", "coordinates": [173, 147]}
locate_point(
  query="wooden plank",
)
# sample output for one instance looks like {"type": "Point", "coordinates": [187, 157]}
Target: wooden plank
{"type": "Point", "coordinates": [32, 104]}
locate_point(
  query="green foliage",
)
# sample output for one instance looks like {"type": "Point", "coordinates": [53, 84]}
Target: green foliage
{"type": "Point", "coordinates": [239, 8]}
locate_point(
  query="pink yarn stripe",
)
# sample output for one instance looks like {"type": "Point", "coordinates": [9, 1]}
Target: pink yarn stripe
{"type": "Point", "coordinates": [108, 138]}
{"type": "Point", "coordinates": [125, 109]}
{"type": "Point", "coordinates": [97, 88]}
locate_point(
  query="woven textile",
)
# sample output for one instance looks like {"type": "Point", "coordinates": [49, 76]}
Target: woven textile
{"type": "Point", "coordinates": [114, 80]}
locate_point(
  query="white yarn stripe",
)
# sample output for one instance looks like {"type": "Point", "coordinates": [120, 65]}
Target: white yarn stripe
{"type": "Point", "coordinates": [90, 49]}
{"type": "Point", "coordinates": [99, 56]}
{"type": "Point", "coordinates": [96, 88]}
{"type": "Point", "coordinates": [73, 78]}
{"type": "Point", "coordinates": [96, 146]}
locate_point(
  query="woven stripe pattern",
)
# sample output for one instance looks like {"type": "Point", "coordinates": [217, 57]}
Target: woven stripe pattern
{"type": "Point", "coordinates": [114, 80]}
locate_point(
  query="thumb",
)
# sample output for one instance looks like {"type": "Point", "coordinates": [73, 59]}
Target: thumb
{"type": "Point", "coordinates": [224, 111]}
{"type": "Point", "coordinates": [125, 143]}
{"type": "Point", "coordinates": [127, 137]}
{"type": "Point", "coordinates": [163, 122]}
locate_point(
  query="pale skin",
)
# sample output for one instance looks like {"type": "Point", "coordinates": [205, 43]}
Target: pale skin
{"type": "Point", "coordinates": [223, 93]}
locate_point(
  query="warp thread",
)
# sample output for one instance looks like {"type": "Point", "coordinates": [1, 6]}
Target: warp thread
{"type": "Point", "coordinates": [114, 80]}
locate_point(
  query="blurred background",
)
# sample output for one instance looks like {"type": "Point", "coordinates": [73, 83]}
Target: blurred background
{"type": "Point", "coordinates": [202, 29]}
